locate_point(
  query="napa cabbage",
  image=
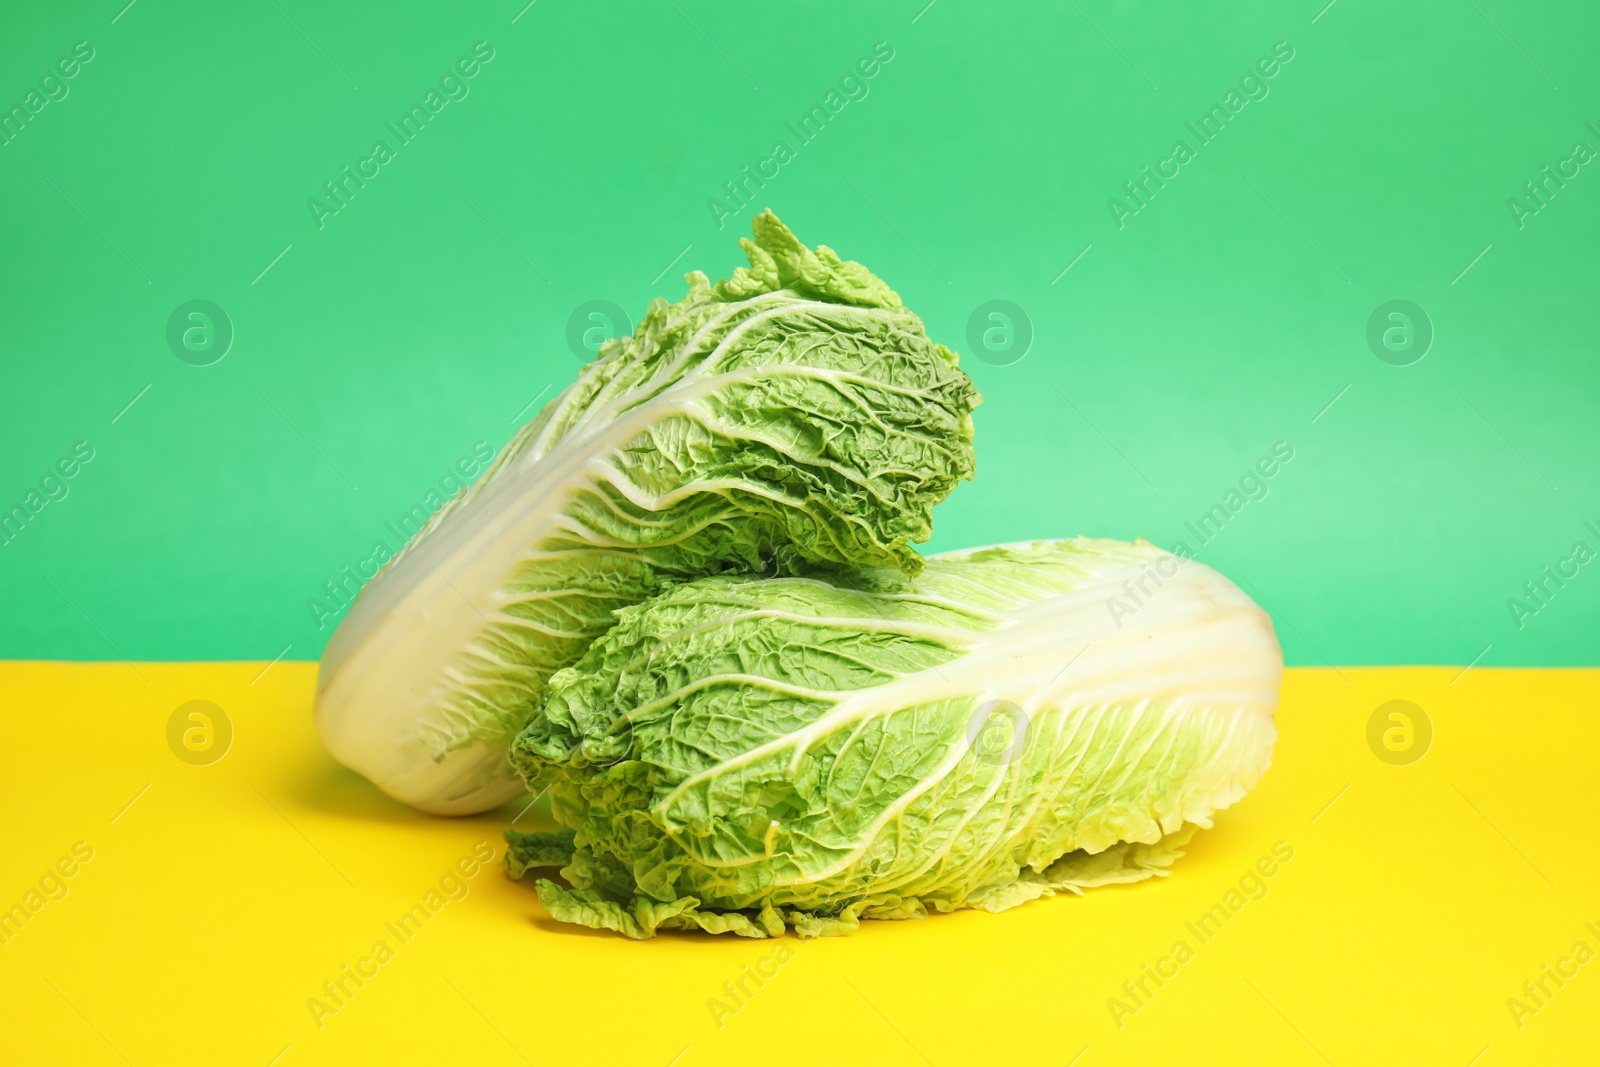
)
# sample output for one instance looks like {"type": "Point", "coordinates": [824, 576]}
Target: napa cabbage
{"type": "Point", "coordinates": [742, 754]}
{"type": "Point", "coordinates": [791, 418]}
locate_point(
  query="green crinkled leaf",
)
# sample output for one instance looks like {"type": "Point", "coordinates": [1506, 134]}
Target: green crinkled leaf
{"type": "Point", "coordinates": [526, 851]}
{"type": "Point", "coordinates": [844, 746]}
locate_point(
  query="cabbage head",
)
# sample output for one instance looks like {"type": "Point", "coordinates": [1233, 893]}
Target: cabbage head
{"type": "Point", "coordinates": [745, 754]}
{"type": "Point", "coordinates": [792, 417]}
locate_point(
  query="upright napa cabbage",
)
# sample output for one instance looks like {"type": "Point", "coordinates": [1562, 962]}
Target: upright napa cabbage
{"type": "Point", "coordinates": [792, 417]}
{"type": "Point", "coordinates": [744, 754]}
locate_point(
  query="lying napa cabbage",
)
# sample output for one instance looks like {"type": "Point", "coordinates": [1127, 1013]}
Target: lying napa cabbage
{"type": "Point", "coordinates": [794, 416]}
{"type": "Point", "coordinates": [741, 754]}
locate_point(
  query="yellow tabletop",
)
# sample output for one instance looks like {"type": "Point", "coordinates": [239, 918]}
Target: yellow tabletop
{"type": "Point", "coordinates": [1361, 906]}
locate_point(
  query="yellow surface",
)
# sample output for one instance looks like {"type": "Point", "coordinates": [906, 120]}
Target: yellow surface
{"type": "Point", "coordinates": [217, 904]}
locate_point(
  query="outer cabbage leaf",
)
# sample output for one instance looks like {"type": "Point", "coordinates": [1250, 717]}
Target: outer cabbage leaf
{"type": "Point", "coordinates": [745, 754]}
{"type": "Point", "coordinates": [793, 417]}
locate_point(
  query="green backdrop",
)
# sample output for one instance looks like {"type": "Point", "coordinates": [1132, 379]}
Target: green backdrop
{"type": "Point", "coordinates": [1174, 334]}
